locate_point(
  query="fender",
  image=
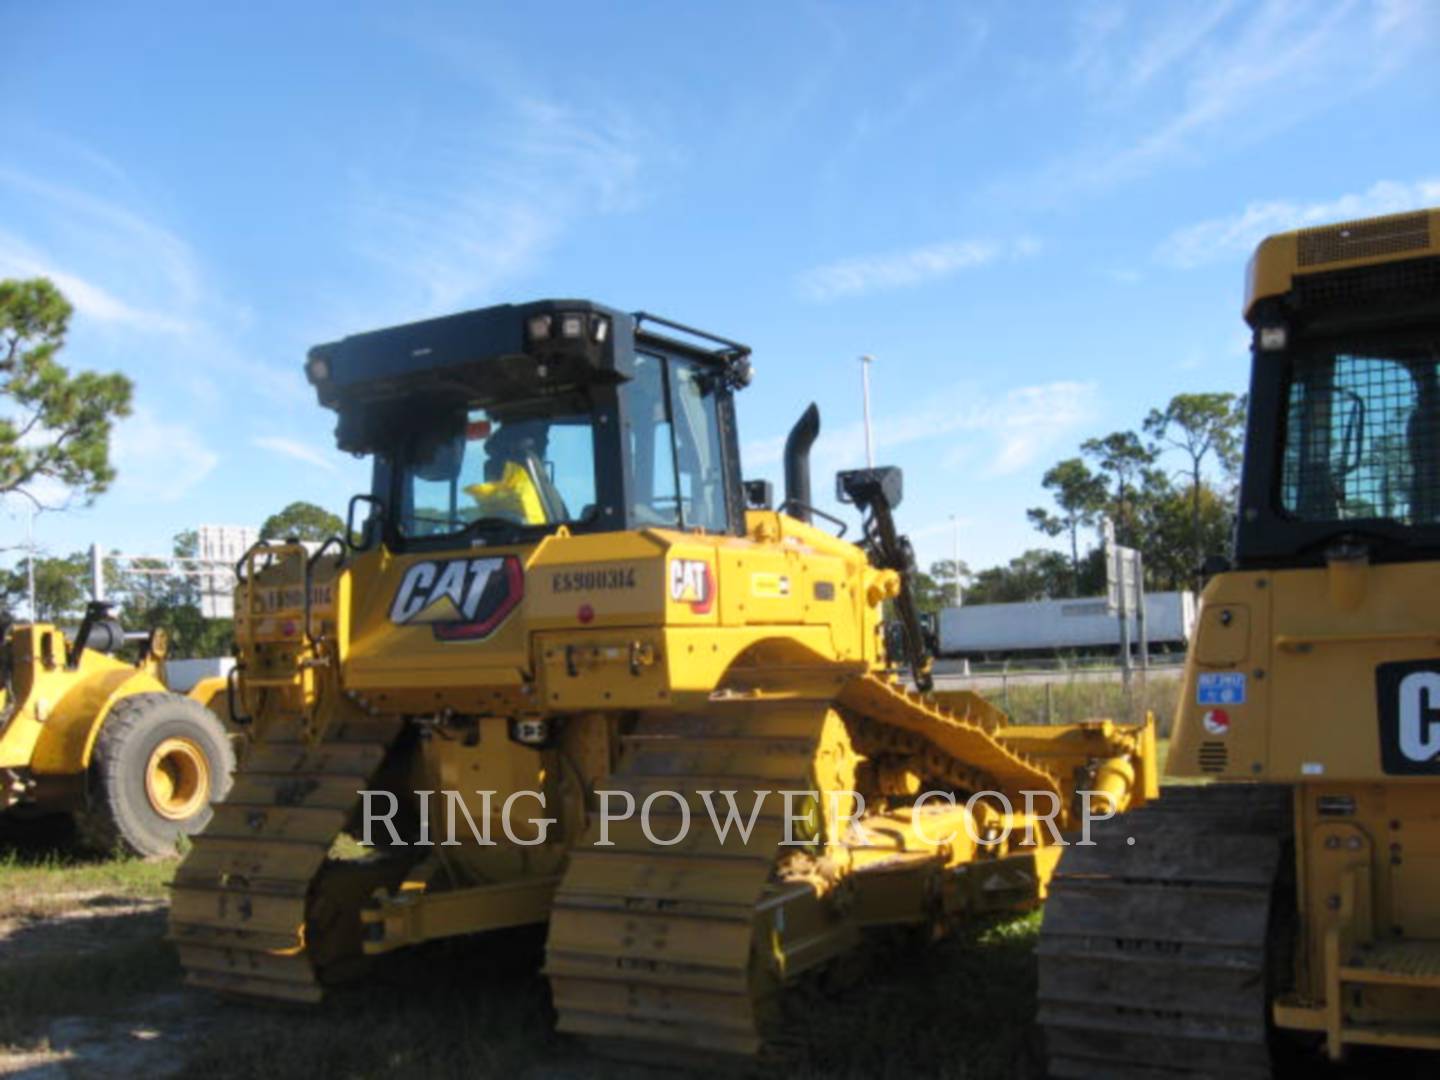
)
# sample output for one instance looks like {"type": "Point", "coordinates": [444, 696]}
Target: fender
{"type": "Point", "coordinates": [67, 737]}
{"type": "Point", "coordinates": [211, 692]}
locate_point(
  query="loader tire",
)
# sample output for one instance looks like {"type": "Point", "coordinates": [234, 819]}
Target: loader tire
{"type": "Point", "coordinates": [159, 763]}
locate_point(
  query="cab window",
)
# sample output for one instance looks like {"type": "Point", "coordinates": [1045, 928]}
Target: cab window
{"type": "Point", "coordinates": [1362, 437]}
{"type": "Point", "coordinates": [495, 473]}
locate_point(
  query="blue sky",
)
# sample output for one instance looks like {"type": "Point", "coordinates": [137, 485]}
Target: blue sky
{"type": "Point", "coordinates": [1035, 216]}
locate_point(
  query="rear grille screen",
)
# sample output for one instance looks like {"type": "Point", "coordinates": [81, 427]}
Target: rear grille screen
{"type": "Point", "coordinates": [1389, 284]}
{"type": "Point", "coordinates": [1365, 240]}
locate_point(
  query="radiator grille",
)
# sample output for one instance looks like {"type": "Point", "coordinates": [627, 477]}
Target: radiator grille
{"type": "Point", "coordinates": [1411, 281]}
{"type": "Point", "coordinates": [1213, 757]}
{"type": "Point", "coordinates": [1365, 239]}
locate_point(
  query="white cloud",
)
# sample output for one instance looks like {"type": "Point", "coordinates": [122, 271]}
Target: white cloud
{"type": "Point", "coordinates": [1208, 80]}
{"type": "Point", "coordinates": [39, 495]}
{"type": "Point", "coordinates": [1019, 426]}
{"type": "Point", "coordinates": [1030, 420]}
{"type": "Point", "coordinates": [147, 256]}
{"type": "Point", "coordinates": [503, 200]}
{"type": "Point", "coordinates": [299, 451]}
{"type": "Point", "coordinates": [89, 299]}
{"type": "Point", "coordinates": [1225, 238]}
{"type": "Point", "coordinates": [125, 272]}
{"type": "Point", "coordinates": [158, 460]}
{"type": "Point", "coordinates": [903, 269]}
{"type": "Point", "coordinates": [1119, 51]}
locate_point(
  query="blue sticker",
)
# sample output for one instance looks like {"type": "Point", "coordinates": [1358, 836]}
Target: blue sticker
{"type": "Point", "coordinates": [1220, 688]}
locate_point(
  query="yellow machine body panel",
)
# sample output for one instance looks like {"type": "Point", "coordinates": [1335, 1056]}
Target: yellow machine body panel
{"type": "Point", "coordinates": [212, 692]}
{"type": "Point", "coordinates": [628, 620]}
{"type": "Point", "coordinates": [1304, 646]}
{"type": "Point", "coordinates": [57, 700]}
{"type": "Point", "coordinates": [58, 710]}
{"type": "Point", "coordinates": [1298, 643]}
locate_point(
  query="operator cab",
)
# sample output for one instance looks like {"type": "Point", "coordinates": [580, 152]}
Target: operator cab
{"type": "Point", "coordinates": [500, 425]}
{"type": "Point", "coordinates": [1342, 453]}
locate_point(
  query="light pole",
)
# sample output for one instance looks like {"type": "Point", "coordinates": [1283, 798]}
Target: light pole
{"type": "Point", "coordinates": [30, 561]}
{"type": "Point", "coordinates": [865, 362]}
{"type": "Point", "coordinates": [955, 566]}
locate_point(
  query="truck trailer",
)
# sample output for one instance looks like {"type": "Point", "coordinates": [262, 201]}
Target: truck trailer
{"type": "Point", "coordinates": [1047, 627]}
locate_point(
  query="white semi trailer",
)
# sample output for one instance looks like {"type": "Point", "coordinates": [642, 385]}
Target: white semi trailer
{"type": "Point", "coordinates": [1047, 627]}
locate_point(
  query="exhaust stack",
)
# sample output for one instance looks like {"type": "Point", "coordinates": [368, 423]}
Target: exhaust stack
{"type": "Point", "coordinates": [797, 463]}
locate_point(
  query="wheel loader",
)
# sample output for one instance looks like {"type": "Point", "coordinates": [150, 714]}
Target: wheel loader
{"type": "Point", "coordinates": [567, 667]}
{"type": "Point", "coordinates": [1291, 905]}
{"type": "Point", "coordinates": [89, 735]}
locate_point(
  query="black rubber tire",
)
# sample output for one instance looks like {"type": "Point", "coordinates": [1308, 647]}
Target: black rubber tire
{"type": "Point", "coordinates": [118, 814]}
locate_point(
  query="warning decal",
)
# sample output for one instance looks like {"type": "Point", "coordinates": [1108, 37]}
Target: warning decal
{"type": "Point", "coordinates": [1220, 688]}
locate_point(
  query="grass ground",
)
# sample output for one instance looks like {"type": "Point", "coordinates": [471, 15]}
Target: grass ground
{"type": "Point", "coordinates": [89, 988]}
{"type": "Point", "coordinates": [1066, 700]}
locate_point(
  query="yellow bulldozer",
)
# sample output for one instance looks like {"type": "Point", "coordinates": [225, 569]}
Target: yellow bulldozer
{"type": "Point", "coordinates": [568, 668]}
{"type": "Point", "coordinates": [86, 734]}
{"type": "Point", "coordinates": [1295, 898]}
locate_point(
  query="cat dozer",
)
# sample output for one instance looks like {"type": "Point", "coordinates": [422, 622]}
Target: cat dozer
{"type": "Point", "coordinates": [568, 668]}
{"type": "Point", "coordinates": [1293, 903]}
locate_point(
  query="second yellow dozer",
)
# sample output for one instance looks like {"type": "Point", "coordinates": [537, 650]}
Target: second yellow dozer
{"type": "Point", "coordinates": [570, 669]}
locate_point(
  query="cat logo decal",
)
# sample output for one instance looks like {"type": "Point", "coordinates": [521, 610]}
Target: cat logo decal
{"type": "Point", "coordinates": [459, 599]}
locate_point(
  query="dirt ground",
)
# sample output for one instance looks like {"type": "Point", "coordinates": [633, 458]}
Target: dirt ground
{"type": "Point", "coordinates": [89, 988]}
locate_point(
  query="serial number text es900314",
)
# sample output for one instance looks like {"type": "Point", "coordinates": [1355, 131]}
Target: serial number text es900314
{"type": "Point", "coordinates": [620, 577]}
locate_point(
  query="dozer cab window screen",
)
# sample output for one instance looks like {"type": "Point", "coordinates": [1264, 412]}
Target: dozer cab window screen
{"type": "Point", "coordinates": [1362, 437]}
{"type": "Point", "coordinates": [520, 471]}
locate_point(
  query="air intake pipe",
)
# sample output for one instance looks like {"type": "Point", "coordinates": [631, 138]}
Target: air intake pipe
{"type": "Point", "coordinates": [797, 463]}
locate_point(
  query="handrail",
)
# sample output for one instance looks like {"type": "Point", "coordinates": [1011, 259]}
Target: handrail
{"type": "Point", "coordinates": [309, 578]}
{"type": "Point", "coordinates": [274, 552]}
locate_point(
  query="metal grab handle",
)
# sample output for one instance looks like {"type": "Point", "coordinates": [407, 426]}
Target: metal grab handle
{"type": "Point", "coordinates": [232, 695]}
{"type": "Point", "coordinates": [309, 576]}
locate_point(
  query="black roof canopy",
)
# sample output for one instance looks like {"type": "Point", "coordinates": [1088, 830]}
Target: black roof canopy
{"type": "Point", "coordinates": [509, 356]}
{"type": "Point", "coordinates": [486, 353]}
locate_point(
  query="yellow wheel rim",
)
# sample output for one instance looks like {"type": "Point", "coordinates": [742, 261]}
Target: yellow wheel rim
{"type": "Point", "coordinates": [177, 779]}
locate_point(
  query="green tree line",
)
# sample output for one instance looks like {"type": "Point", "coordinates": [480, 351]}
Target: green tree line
{"type": "Point", "coordinates": [150, 593]}
{"type": "Point", "coordinates": [1169, 488]}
